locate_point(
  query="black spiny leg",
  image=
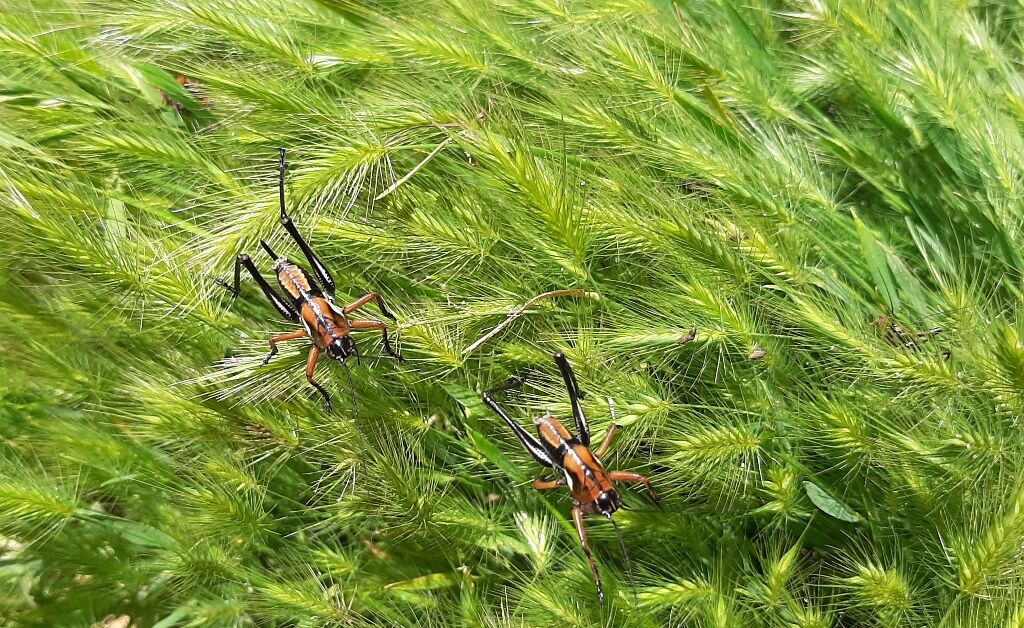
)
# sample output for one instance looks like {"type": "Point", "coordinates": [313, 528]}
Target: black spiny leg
{"type": "Point", "coordinates": [283, 308]}
{"type": "Point", "coordinates": [233, 289]}
{"type": "Point", "coordinates": [321, 272]}
{"type": "Point", "coordinates": [531, 444]}
{"type": "Point", "coordinates": [387, 344]}
{"type": "Point", "coordinates": [574, 397]}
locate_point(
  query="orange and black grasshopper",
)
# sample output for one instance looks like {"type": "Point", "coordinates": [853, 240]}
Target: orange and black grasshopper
{"type": "Point", "coordinates": [593, 489]}
{"type": "Point", "coordinates": [326, 324]}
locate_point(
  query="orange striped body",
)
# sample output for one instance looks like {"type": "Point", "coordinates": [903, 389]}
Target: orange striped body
{"type": "Point", "coordinates": [323, 322]}
{"type": "Point", "coordinates": [294, 280]}
{"type": "Point", "coordinates": [588, 482]}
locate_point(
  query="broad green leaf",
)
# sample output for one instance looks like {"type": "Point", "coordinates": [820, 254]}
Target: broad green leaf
{"type": "Point", "coordinates": [878, 266]}
{"type": "Point", "coordinates": [132, 531]}
{"type": "Point", "coordinates": [830, 505]}
{"type": "Point", "coordinates": [426, 583]}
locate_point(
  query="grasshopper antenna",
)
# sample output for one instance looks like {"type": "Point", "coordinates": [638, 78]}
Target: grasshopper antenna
{"type": "Point", "coordinates": [352, 392]}
{"type": "Point", "coordinates": [629, 564]}
{"type": "Point", "coordinates": [618, 533]}
{"type": "Point", "coordinates": [355, 414]}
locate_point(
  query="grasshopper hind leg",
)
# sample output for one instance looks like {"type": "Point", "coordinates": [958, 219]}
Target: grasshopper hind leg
{"type": "Point", "coordinates": [282, 306]}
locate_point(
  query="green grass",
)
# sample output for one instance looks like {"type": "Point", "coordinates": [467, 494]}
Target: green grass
{"type": "Point", "coordinates": [777, 173]}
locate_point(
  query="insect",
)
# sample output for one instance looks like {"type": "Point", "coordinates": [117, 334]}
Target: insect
{"type": "Point", "coordinates": [896, 334]}
{"type": "Point", "coordinates": [592, 487]}
{"type": "Point", "coordinates": [324, 322]}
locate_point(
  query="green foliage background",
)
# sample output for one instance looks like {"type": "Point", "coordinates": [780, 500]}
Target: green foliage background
{"type": "Point", "coordinates": [778, 173]}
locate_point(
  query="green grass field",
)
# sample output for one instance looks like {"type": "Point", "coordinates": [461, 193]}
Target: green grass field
{"type": "Point", "coordinates": [807, 183]}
